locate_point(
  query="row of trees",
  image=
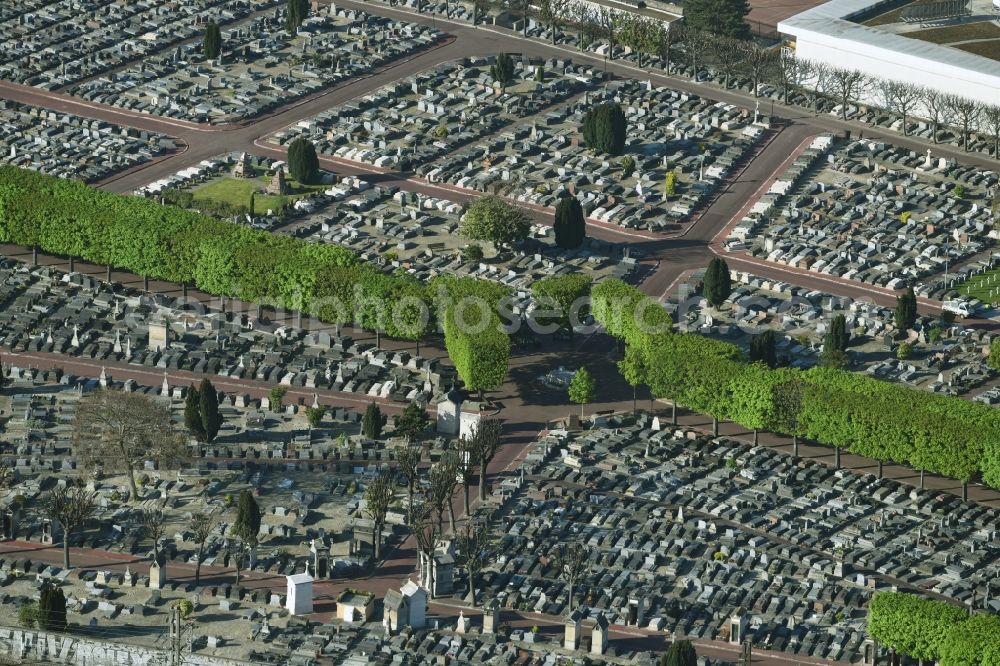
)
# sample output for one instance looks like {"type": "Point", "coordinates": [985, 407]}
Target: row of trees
{"type": "Point", "coordinates": [71, 219]}
{"type": "Point", "coordinates": [873, 418]}
{"type": "Point", "coordinates": [934, 630]}
{"type": "Point", "coordinates": [714, 34]}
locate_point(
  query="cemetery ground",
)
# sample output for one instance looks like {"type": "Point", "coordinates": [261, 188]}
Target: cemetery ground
{"type": "Point", "coordinates": [236, 192]}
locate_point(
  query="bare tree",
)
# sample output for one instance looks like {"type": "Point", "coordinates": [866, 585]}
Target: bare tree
{"type": "Point", "coordinates": [899, 97]}
{"type": "Point", "coordinates": [485, 442]}
{"type": "Point", "coordinates": [697, 44]}
{"type": "Point", "coordinates": [154, 528]}
{"type": "Point", "coordinates": [609, 20]}
{"type": "Point", "coordinates": [424, 532]}
{"type": "Point", "coordinates": [115, 430]}
{"type": "Point", "coordinates": [818, 76]}
{"type": "Point", "coordinates": [727, 55]}
{"type": "Point", "coordinates": [378, 495]}
{"type": "Point", "coordinates": [991, 117]}
{"type": "Point", "coordinates": [967, 112]}
{"type": "Point", "coordinates": [520, 8]}
{"type": "Point", "coordinates": [572, 561]}
{"type": "Point", "coordinates": [479, 10]}
{"type": "Point", "coordinates": [935, 104]}
{"type": "Point", "coordinates": [848, 84]}
{"type": "Point", "coordinates": [202, 526]}
{"type": "Point", "coordinates": [71, 507]}
{"type": "Point", "coordinates": [553, 13]}
{"type": "Point", "coordinates": [790, 70]}
{"type": "Point", "coordinates": [756, 62]}
{"type": "Point", "coordinates": [465, 465]}
{"type": "Point", "coordinates": [237, 549]}
{"type": "Point", "coordinates": [443, 482]}
{"type": "Point", "coordinates": [408, 459]}
{"type": "Point", "coordinates": [475, 547]}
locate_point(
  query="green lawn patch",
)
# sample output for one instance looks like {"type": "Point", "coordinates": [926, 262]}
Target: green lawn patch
{"type": "Point", "coordinates": [982, 286]}
{"type": "Point", "coordinates": [236, 192]}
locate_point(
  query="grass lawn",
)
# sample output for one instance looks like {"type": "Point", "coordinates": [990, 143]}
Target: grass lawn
{"type": "Point", "coordinates": [980, 286]}
{"type": "Point", "coordinates": [236, 192]}
{"type": "Point", "coordinates": [894, 16]}
{"type": "Point", "coordinates": [989, 49]}
{"type": "Point", "coordinates": [957, 33]}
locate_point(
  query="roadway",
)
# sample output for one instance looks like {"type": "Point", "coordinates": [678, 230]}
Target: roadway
{"type": "Point", "coordinates": [526, 406]}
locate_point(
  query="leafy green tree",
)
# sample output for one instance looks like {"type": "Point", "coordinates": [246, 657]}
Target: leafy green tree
{"type": "Point", "coordinates": [993, 360]}
{"type": "Point", "coordinates": [763, 350]}
{"type": "Point", "coordinates": [296, 11]}
{"type": "Point", "coordinates": [564, 294]}
{"type": "Point", "coordinates": [787, 397]}
{"type": "Point", "coordinates": [212, 44]}
{"type": "Point", "coordinates": [303, 163]}
{"type": "Point", "coordinates": [633, 369]}
{"type": "Point", "coordinates": [372, 422]}
{"type": "Point", "coordinates": [192, 414]}
{"type": "Point", "coordinates": [570, 224]}
{"type": "Point", "coordinates": [52, 609]}
{"type": "Point", "coordinates": [582, 388]}
{"type": "Point", "coordinates": [211, 419]}
{"type": "Point", "coordinates": [971, 642]}
{"type": "Point", "coordinates": [491, 218]}
{"type": "Point", "coordinates": [724, 18]}
{"type": "Point", "coordinates": [717, 284]}
{"type": "Point", "coordinates": [412, 422]}
{"type": "Point", "coordinates": [27, 614]}
{"type": "Point", "coordinates": [502, 71]}
{"type": "Point", "coordinates": [604, 128]}
{"type": "Point", "coordinates": [904, 351]}
{"type": "Point", "coordinates": [314, 416]}
{"type": "Point", "coordinates": [912, 625]}
{"type": "Point", "coordinates": [277, 397]}
{"type": "Point", "coordinates": [905, 315]}
{"type": "Point", "coordinates": [628, 166]}
{"type": "Point", "coordinates": [680, 653]}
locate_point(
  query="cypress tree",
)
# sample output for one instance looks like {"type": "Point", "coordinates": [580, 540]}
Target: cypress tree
{"type": "Point", "coordinates": [906, 310]}
{"type": "Point", "coordinates": [52, 609]}
{"type": "Point", "coordinates": [717, 284]}
{"type": "Point", "coordinates": [192, 414]}
{"type": "Point", "coordinates": [371, 423]}
{"type": "Point", "coordinates": [762, 349]}
{"type": "Point", "coordinates": [247, 523]}
{"type": "Point", "coordinates": [681, 653]}
{"type": "Point", "coordinates": [303, 163]}
{"type": "Point", "coordinates": [211, 419]}
{"type": "Point", "coordinates": [212, 44]}
{"type": "Point", "coordinates": [604, 128]}
{"type": "Point", "coordinates": [297, 11]}
{"type": "Point", "coordinates": [836, 338]}
{"type": "Point", "coordinates": [570, 225]}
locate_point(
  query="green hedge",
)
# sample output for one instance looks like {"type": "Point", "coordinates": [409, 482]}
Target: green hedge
{"type": "Point", "coordinates": [867, 416]}
{"type": "Point", "coordinates": [933, 630]}
{"type": "Point", "coordinates": [66, 217]}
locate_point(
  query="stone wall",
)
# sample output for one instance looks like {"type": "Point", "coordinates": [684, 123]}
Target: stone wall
{"type": "Point", "coordinates": [39, 646]}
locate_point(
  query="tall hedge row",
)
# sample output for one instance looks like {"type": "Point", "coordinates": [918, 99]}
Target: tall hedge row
{"type": "Point", "coordinates": [867, 416]}
{"type": "Point", "coordinates": [933, 630]}
{"type": "Point", "coordinates": [69, 218]}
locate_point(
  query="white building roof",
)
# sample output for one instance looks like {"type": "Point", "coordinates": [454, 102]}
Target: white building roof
{"type": "Point", "coordinates": [827, 28]}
